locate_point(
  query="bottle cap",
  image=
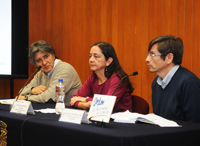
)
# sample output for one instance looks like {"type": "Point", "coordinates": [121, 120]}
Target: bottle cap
{"type": "Point", "coordinates": [60, 80]}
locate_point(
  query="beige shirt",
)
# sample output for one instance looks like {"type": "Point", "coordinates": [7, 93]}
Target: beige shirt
{"type": "Point", "coordinates": [63, 71]}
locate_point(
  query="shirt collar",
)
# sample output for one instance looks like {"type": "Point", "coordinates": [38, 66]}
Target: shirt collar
{"type": "Point", "coordinates": [164, 82]}
{"type": "Point", "coordinates": [55, 63]}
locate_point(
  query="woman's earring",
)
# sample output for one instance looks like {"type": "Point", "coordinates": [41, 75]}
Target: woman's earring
{"type": "Point", "coordinates": [106, 68]}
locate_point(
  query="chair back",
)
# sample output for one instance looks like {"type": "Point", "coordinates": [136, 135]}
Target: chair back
{"type": "Point", "coordinates": [139, 105]}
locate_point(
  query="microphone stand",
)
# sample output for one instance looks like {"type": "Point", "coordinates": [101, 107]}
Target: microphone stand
{"type": "Point", "coordinates": [133, 74]}
{"type": "Point", "coordinates": [38, 68]}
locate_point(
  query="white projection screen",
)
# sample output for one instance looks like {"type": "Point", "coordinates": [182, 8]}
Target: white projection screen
{"type": "Point", "coordinates": [13, 38]}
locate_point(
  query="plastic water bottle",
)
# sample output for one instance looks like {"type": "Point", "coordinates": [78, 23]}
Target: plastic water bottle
{"type": "Point", "coordinates": [60, 96]}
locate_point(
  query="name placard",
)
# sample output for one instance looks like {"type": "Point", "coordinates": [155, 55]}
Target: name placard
{"type": "Point", "coordinates": [73, 116]}
{"type": "Point", "coordinates": [22, 107]}
{"type": "Point", "coordinates": [101, 108]}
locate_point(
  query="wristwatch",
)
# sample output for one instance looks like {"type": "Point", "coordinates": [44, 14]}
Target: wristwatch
{"type": "Point", "coordinates": [26, 96]}
{"type": "Point", "coordinates": [86, 99]}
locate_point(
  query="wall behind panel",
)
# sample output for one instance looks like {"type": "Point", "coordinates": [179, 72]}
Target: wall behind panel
{"type": "Point", "coordinates": [72, 26]}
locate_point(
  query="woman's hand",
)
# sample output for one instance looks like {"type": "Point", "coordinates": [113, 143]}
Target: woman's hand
{"type": "Point", "coordinates": [85, 105]}
{"type": "Point", "coordinates": [77, 98]}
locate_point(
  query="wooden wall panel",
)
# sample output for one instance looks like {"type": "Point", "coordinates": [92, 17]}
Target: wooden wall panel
{"type": "Point", "coordinates": [138, 42]}
{"type": "Point", "coordinates": [144, 43]}
{"type": "Point", "coordinates": [132, 44]}
{"type": "Point", "coordinates": [195, 45]}
{"type": "Point", "coordinates": [188, 30]}
{"type": "Point", "coordinates": [72, 26]}
{"type": "Point", "coordinates": [173, 17]}
{"type": "Point", "coordinates": [114, 23]}
{"type": "Point", "coordinates": [4, 90]}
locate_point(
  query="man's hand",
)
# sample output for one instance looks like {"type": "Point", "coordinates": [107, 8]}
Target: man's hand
{"type": "Point", "coordinates": [38, 89]}
{"type": "Point", "coordinates": [21, 97]}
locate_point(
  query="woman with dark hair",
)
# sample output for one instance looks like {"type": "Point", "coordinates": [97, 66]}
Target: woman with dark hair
{"type": "Point", "coordinates": [107, 74]}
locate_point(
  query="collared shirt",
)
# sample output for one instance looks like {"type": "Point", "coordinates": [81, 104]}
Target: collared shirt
{"type": "Point", "coordinates": [55, 63]}
{"type": "Point", "coordinates": [164, 82]}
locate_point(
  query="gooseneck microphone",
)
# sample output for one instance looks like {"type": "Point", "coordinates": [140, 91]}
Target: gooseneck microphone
{"type": "Point", "coordinates": [133, 74]}
{"type": "Point", "coordinates": [38, 68]}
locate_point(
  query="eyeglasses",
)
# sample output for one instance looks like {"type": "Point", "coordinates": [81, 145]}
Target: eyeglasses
{"type": "Point", "coordinates": [152, 55]}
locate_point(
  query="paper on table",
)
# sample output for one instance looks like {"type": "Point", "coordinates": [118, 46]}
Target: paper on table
{"type": "Point", "coordinates": [125, 117]}
{"type": "Point", "coordinates": [47, 110]}
{"type": "Point", "coordinates": [155, 119]}
{"type": "Point", "coordinates": [128, 117]}
{"type": "Point", "coordinates": [7, 101]}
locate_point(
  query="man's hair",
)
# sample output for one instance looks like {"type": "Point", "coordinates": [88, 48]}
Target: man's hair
{"type": "Point", "coordinates": [42, 46]}
{"type": "Point", "coordinates": [169, 44]}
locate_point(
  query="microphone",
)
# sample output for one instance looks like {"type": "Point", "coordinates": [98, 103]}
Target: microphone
{"type": "Point", "coordinates": [38, 68]}
{"type": "Point", "coordinates": [133, 74]}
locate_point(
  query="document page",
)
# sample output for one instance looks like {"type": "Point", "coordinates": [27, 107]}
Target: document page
{"type": "Point", "coordinates": [128, 117]}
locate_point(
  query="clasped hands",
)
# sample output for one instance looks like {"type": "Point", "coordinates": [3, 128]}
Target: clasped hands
{"type": "Point", "coordinates": [82, 104]}
{"type": "Point", "coordinates": [39, 89]}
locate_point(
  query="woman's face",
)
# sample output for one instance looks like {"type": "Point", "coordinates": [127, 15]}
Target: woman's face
{"type": "Point", "coordinates": [97, 60]}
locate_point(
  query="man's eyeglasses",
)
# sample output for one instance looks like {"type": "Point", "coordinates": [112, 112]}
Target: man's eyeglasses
{"type": "Point", "coordinates": [152, 55]}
